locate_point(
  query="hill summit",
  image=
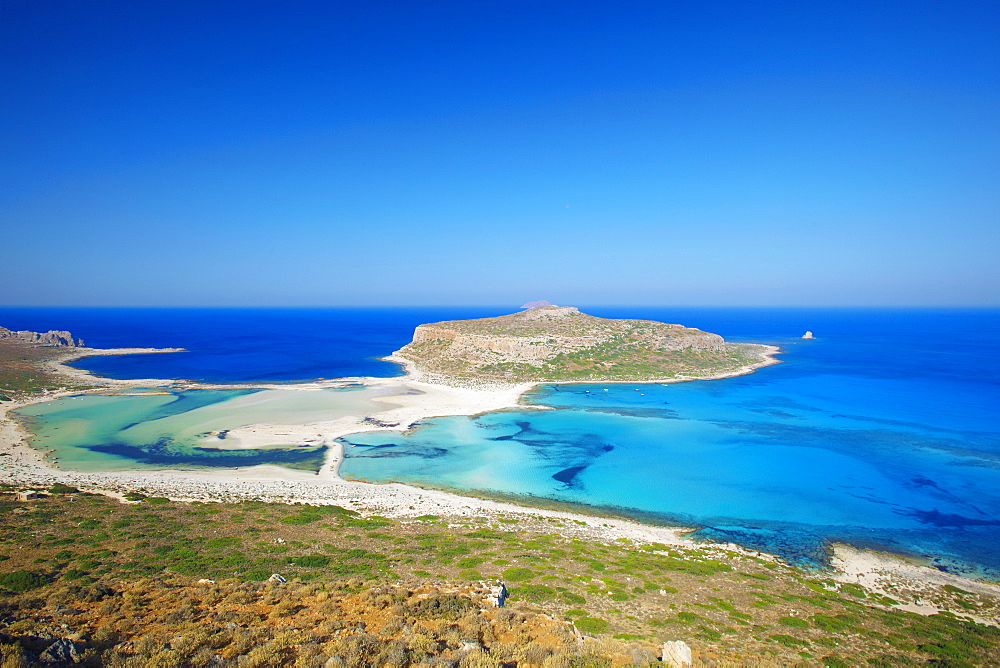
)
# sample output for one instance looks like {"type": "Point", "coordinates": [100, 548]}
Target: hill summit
{"type": "Point", "coordinates": [557, 343]}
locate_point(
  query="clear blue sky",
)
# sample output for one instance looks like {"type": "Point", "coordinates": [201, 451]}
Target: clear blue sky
{"type": "Point", "coordinates": [334, 153]}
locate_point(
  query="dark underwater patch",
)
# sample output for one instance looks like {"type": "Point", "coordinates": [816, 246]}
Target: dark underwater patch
{"type": "Point", "coordinates": [167, 453]}
{"type": "Point", "coordinates": [190, 400]}
{"type": "Point", "coordinates": [858, 442]}
{"type": "Point", "coordinates": [797, 545]}
{"type": "Point", "coordinates": [568, 476]}
{"type": "Point", "coordinates": [663, 413]}
{"type": "Point", "coordinates": [391, 450]}
{"type": "Point", "coordinates": [524, 430]}
{"type": "Point", "coordinates": [775, 413]}
{"type": "Point", "coordinates": [938, 519]}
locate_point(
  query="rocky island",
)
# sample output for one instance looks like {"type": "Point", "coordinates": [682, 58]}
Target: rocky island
{"type": "Point", "coordinates": [560, 343]}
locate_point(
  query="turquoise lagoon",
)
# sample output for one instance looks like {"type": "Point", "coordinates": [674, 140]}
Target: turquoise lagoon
{"type": "Point", "coordinates": [884, 432]}
{"type": "Point", "coordinates": [753, 463]}
{"type": "Point", "coordinates": [184, 429]}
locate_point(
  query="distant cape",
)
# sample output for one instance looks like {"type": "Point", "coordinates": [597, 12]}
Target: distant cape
{"type": "Point", "coordinates": [543, 302]}
{"type": "Point", "coordinates": [50, 338]}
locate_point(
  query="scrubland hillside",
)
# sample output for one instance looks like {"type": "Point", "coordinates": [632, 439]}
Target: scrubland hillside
{"type": "Point", "coordinates": [92, 580]}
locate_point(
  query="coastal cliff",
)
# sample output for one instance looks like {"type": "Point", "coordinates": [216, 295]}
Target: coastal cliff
{"type": "Point", "coordinates": [552, 343]}
{"type": "Point", "coordinates": [50, 338]}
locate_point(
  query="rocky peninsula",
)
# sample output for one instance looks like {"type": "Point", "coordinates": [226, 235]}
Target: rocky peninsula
{"type": "Point", "coordinates": [33, 365]}
{"type": "Point", "coordinates": [560, 343]}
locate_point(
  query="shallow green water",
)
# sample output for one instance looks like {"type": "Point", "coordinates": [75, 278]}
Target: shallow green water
{"type": "Point", "coordinates": [185, 429]}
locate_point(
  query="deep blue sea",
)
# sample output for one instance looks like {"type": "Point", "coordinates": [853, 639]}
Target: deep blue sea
{"type": "Point", "coordinates": [882, 432]}
{"type": "Point", "coordinates": [240, 344]}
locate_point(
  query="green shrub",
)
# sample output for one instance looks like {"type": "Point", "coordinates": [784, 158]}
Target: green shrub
{"type": "Point", "coordinates": [312, 561]}
{"type": "Point", "coordinates": [836, 624]}
{"type": "Point", "coordinates": [794, 622]}
{"type": "Point", "coordinates": [490, 533]}
{"type": "Point", "coordinates": [59, 488]}
{"type": "Point", "coordinates": [536, 593]}
{"type": "Point", "coordinates": [449, 606]}
{"type": "Point", "coordinates": [74, 574]}
{"type": "Point", "coordinates": [373, 522]}
{"type": "Point", "coordinates": [952, 589]}
{"type": "Point", "coordinates": [569, 598]}
{"type": "Point", "coordinates": [22, 581]}
{"type": "Point", "coordinates": [787, 641]}
{"type": "Point", "coordinates": [854, 590]}
{"type": "Point", "coordinates": [518, 574]}
{"type": "Point", "coordinates": [686, 617]}
{"type": "Point", "coordinates": [469, 574]}
{"type": "Point", "coordinates": [220, 543]}
{"type": "Point", "coordinates": [256, 575]}
{"type": "Point", "coordinates": [455, 550]}
{"type": "Point", "coordinates": [590, 625]}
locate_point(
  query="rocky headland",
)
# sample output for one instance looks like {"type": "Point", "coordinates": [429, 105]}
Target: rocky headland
{"type": "Point", "coordinates": [33, 364]}
{"type": "Point", "coordinates": [49, 338]}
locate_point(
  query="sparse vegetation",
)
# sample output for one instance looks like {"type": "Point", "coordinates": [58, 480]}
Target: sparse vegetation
{"type": "Point", "coordinates": [186, 584]}
{"type": "Point", "coordinates": [23, 371]}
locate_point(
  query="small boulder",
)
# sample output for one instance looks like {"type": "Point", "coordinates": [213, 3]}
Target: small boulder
{"type": "Point", "coordinates": [277, 578]}
{"type": "Point", "coordinates": [676, 654]}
